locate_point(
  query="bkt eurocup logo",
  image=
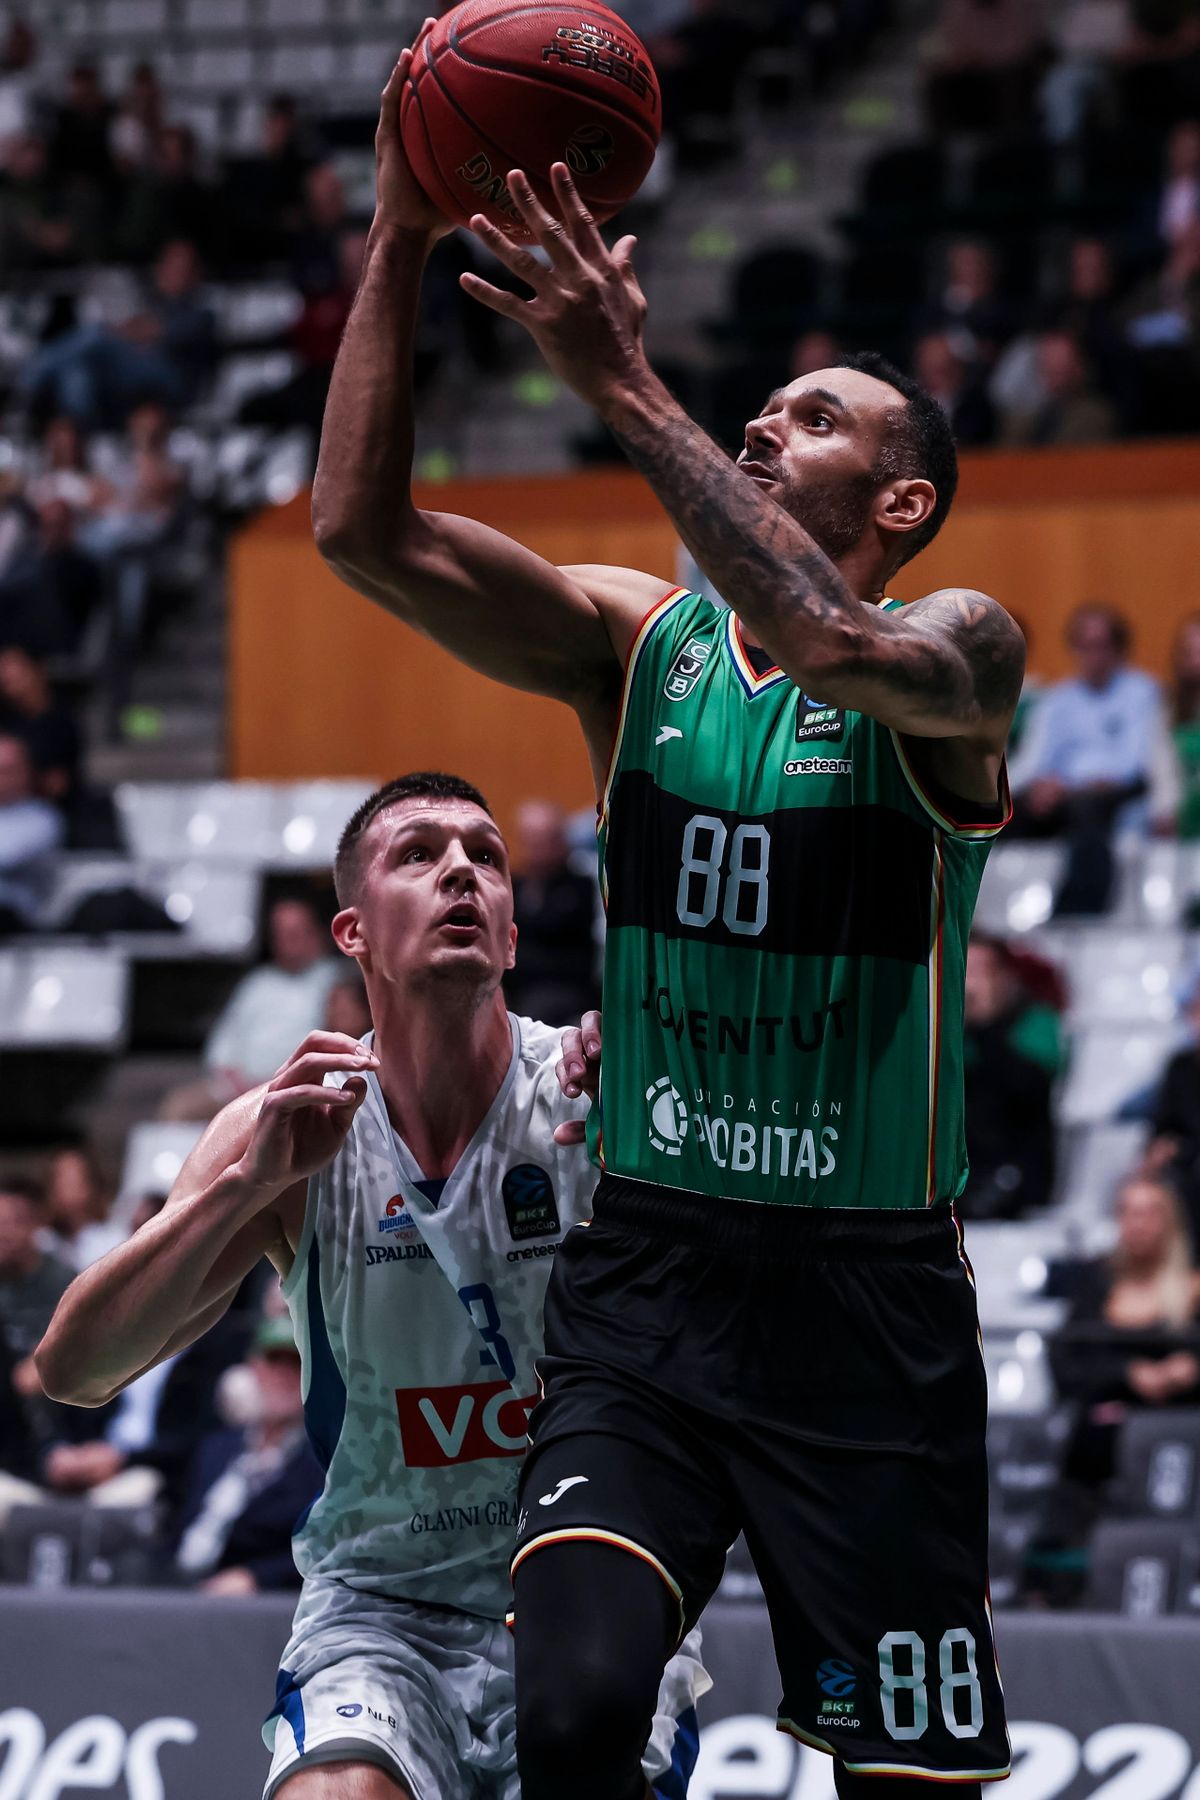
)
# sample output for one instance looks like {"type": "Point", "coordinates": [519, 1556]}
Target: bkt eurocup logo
{"type": "Point", "coordinates": [668, 1116]}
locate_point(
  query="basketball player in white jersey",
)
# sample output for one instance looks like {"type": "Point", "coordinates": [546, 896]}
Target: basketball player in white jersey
{"type": "Point", "coordinates": [411, 1190]}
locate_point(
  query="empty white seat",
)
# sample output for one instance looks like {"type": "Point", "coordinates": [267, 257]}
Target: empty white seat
{"type": "Point", "coordinates": [1124, 975]}
{"type": "Point", "coordinates": [154, 1155]}
{"type": "Point", "coordinates": [63, 996]}
{"type": "Point", "coordinates": [215, 904]}
{"type": "Point", "coordinates": [256, 310]}
{"type": "Point", "coordinates": [369, 62]}
{"type": "Point", "coordinates": [188, 821]}
{"type": "Point", "coordinates": [1096, 1159]}
{"type": "Point", "coordinates": [215, 15]}
{"type": "Point", "coordinates": [1010, 1259]}
{"type": "Point", "coordinates": [310, 818]}
{"type": "Point", "coordinates": [293, 13]}
{"type": "Point", "coordinates": [1018, 1372]}
{"type": "Point", "coordinates": [225, 68]}
{"type": "Point", "coordinates": [133, 18]}
{"type": "Point", "coordinates": [1019, 885]}
{"type": "Point", "coordinates": [1108, 1066]}
{"type": "Point", "coordinates": [300, 67]}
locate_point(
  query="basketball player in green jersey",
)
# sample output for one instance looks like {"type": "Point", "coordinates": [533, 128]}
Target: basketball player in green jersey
{"type": "Point", "coordinates": [768, 1327]}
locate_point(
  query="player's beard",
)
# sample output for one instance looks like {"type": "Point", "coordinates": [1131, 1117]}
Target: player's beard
{"type": "Point", "coordinates": [834, 510]}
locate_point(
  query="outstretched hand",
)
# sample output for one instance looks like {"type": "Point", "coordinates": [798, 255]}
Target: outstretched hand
{"type": "Point", "coordinates": [587, 310]}
{"type": "Point", "coordinates": [578, 1072]}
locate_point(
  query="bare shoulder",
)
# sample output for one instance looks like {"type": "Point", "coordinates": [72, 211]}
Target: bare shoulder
{"type": "Point", "coordinates": [987, 636]}
{"type": "Point", "coordinates": [622, 597]}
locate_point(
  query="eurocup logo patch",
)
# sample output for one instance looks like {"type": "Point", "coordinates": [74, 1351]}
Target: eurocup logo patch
{"type": "Point", "coordinates": [836, 1678]}
{"type": "Point", "coordinates": [668, 1116]}
{"type": "Point", "coordinates": [529, 1203]}
{"type": "Point", "coordinates": [590, 149]}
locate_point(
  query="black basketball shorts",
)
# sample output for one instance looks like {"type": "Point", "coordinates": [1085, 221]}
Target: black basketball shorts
{"type": "Point", "coordinates": [814, 1380]}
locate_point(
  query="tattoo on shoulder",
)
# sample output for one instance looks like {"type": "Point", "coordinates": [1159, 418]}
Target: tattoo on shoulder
{"type": "Point", "coordinates": [989, 641]}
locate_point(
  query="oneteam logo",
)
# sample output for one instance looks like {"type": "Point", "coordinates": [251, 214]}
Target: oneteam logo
{"type": "Point", "coordinates": [819, 765]}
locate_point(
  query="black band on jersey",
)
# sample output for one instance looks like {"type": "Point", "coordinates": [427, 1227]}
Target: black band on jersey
{"type": "Point", "coordinates": [878, 905]}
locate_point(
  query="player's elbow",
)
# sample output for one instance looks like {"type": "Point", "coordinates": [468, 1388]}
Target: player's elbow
{"type": "Point", "coordinates": [65, 1376]}
{"type": "Point", "coordinates": [352, 543]}
{"type": "Point", "coordinates": [840, 651]}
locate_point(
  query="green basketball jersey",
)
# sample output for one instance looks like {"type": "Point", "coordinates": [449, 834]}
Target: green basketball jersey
{"type": "Point", "coordinates": [788, 909]}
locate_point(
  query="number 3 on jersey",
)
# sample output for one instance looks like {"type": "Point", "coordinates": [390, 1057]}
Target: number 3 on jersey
{"type": "Point", "coordinates": [744, 910]}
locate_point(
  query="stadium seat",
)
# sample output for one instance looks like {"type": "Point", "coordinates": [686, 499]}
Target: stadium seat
{"type": "Point", "coordinates": [1024, 1458]}
{"type": "Point", "coordinates": [63, 1543]}
{"type": "Point", "coordinates": [739, 1581]}
{"type": "Point", "coordinates": [1094, 1159]}
{"type": "Point", "coordinates": [213, 821]}
{"type": "Point", "coordinates": [310, 818]}
{"type": "Point", "coordinates": [1159, 1464]}
{"type": "Point", "coordinates": [154, 1154]}
{"type": "Point", "coordinates": [1009, 184]}
{"type": "Point", "coordinates": [138, 19]}
{"type": "Point", "coordinates": [62, 995]}
{"type": "Point", "coordinates": [1018, 1373]}
{"type": "Point", "coordinates": [1115, 976]}
{"type": "Point", "coordinates": [774, 291]}
{"type": "Point", "coordinates": [302, 68]}
{"type": "Point", "coordinates": [1019, 885]}
{"type": "Point", "coordinates": [215, 16]}
{"type": "Point", "coordinates": [1108, 1066]}
{"type": "Point", "coordinates": [1142, 1568]}
{"type": "Point", "coordinates": [1010, 1260]}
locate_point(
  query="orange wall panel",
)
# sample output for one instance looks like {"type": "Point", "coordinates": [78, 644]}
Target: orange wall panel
{"type": "Point", "coordinates": [324, 683]}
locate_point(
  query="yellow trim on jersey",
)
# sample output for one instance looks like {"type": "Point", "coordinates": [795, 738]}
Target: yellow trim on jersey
{"type": "Point", "coordinates": [977, 834]}
{"type": "Point", "coordinates": [635, 650]}
{"type": "Point", "coordinates": [588, 1534]}
{"type": "Point", "coordinates": [744, 668]}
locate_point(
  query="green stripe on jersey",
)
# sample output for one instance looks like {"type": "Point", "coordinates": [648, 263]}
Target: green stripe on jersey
{"type": "Point", "coordinates": [788, 912]}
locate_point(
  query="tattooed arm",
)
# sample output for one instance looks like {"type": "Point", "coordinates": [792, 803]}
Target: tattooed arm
{"type": "Point", "coordinates": [948, 667]}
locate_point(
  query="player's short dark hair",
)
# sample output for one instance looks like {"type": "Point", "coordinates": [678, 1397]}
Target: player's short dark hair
{"type": "Point", "coordinates": [422, 784]}
{"type": "Point", "coordinates": [918, 444]}
{"type": "Point", "coordinates": [1119, 629]}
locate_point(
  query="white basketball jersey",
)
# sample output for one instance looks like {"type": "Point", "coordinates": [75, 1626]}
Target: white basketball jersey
{"type": "Point", "coordinates": [418, 1321]}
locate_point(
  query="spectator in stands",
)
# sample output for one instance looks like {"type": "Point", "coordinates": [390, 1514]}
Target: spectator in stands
{"type": "Point", "coordinates": [80, 138]}
{"type": "Point", "coordinates": [1164, 331]}
{"type": "Point", "coordinates": [51, 587]}
{"type": "Point", "coordinates": [700, 61]}
{"type": "Point", "coordinates": [40, 228]}
{"type": "Point", "coordinates": [1089, 311]}
{"type": "Point", "coordinates": [346, 1008]}
{"type": "Point", "coordinates": [1185, 720]}
{"type": "Point", "coordinates": [135, 132]}
{"type": "Point", "coordinates": [968, 305]}
{"type": "Point", "coordinates": [18, 83]}
{"type": "Point", "coordinates": [265, 192]}
{"type": "Point", "coordinates": [32, 1279]}
{"type": "Point", "coordinates": [1071, 409]}
{"type": "Point", "coordinates": [1093, 757]}
{"type": "Point", "coordinates": [248, 1484]}
{"type": "Point", "coordinates": [62, 468]}
{"type": "Point", "coordinates": [315, 338]}
{"type": "Point", "coordinates": [316, 248]}
{"type": "Point", "coordinates": [1088, 38]}
{"type": "Point", "coordinates": [1174, 1150]}
{"type": "Point", "coordinates": [815, 349]}
{"type": "Point", "coordinates": [170, 197]}
{"type": "Point", "coordinates": [1179, 203]}
{"type": "Point", "coordinates": [555, 913]}
{"type": "Point", "coordinates": [163, 348]}
{"type": "Point", "coordinates": [31, 832]}
{"type": "Point", "coordinates": [1130, 1341]}
{"type": "Point", "coordinates": [1012, 1052]}
{"type": "Point", "coordinates": [29, 710]}
{"type": "Point", "coordinates": [270, 1010]}
{"type": "Point", "coordinates": [983, 75]}
{"type": "Point", "coordinates": [78, 1203]}
{"type": "Point", "coordinates": [945, 373]}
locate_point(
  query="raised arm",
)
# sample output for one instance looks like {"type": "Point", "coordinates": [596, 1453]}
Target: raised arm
{"type": "Point", "coordinates": [489, 600]}
{"type": "Point", "coordinates": [230, 1205]}
{"type": "Point", "coordinates": [948, 666]}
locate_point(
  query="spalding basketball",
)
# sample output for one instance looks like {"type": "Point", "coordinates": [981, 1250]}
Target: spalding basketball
{"type": "Point", "coordinates": [499, 85]}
